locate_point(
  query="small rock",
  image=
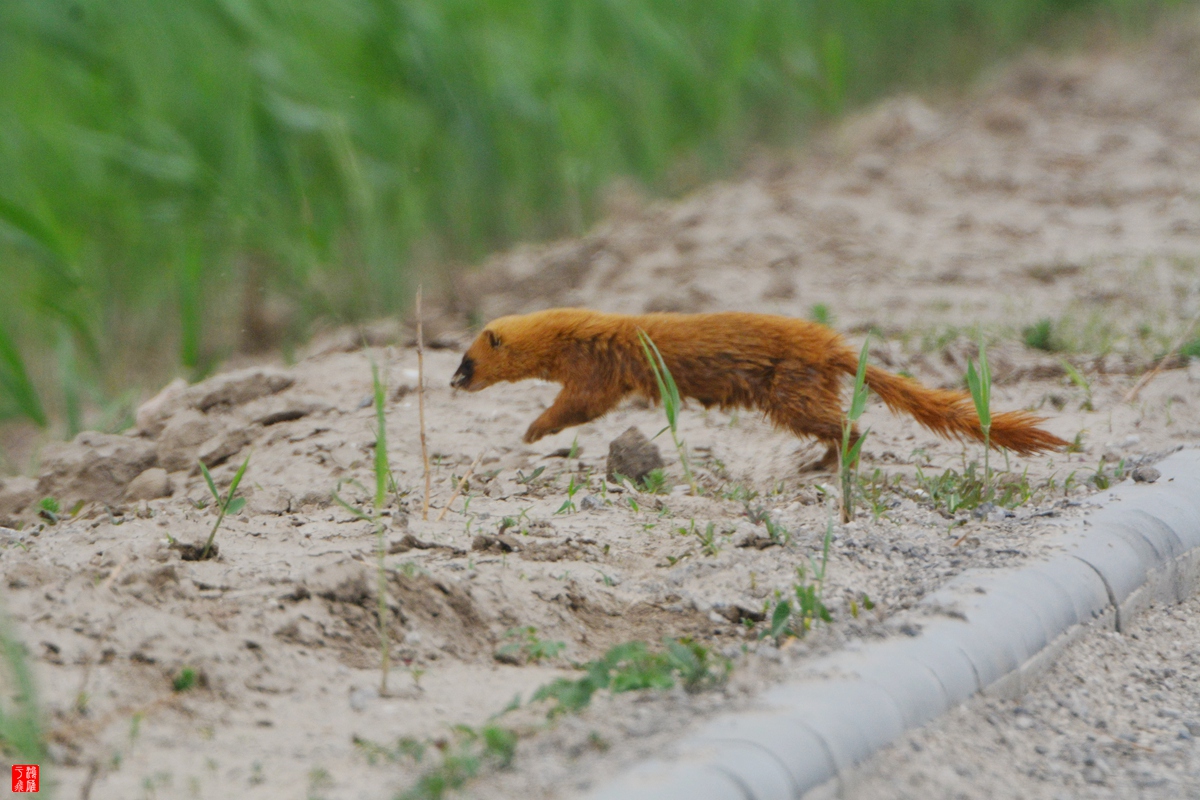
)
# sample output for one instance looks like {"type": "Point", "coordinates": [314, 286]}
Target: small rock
{"type": "Point", "coordinates": [590, 503]}
{"type": "Point", "coordinates": [150, 485]}
{"type": "Point", "coordinates": [502, 543]}
{"type": "Point", "coordinates": [739, 614]}
{"type": "Point", "coordinates": [1193, 727]}
{"type": "Point", "coordinates": [1024, 722]}
{"type": "Point", "coordinates": [632, 455]}
{"type": "Point", "coordinates": [983, 510]}
{"type": "Point", "coordinates": [1146, 475]}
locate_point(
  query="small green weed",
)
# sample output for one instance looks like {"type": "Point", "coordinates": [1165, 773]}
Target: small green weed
{"type": "Point", "coordinates": [708, 537]}
{"type": "Point", "coordinates": [759, 515]}
{"type": "Point", "coordinates": [739, 494]}
{"type": "Point", "coordinates": [1102, 479]}
{"type": "Point", "coordinates": [668, 392]}
{"type": "Point", "coordinates": [229, 505]}
{"type": "Point", "coordinates": [383, 475]}
{"type": "Point", "coordinates": [867, 605]}
{"type": "Point", "coordinates": [21, 737]}
{"type": "Point", "coordinates": [186, 679]}
{"type": "Point", "coordinates": [568, 506]}
{"type": "Point", "coordinates": [655, 482]}
{"type": "Point", "coordinates": [527, 480]}
{"type": "Point", "coordinates": [796, 616]}
{"type": "Point", "coordinates": [1042, 335]}
{"type": "Point", "coordinates": [980, 384]}
{"type": "Point", "coordinates": [489, 747]}
{"type": "Point", "coordinates": [524, 641]}
{"type": "Point", "coordinates": [1077, 378]}
{"type": "Point", "coordinates": [633, 666]}
{"type": "Point", "coordinates": [820, 314]}
{"type": "Point", "coordinates": [849, 451]}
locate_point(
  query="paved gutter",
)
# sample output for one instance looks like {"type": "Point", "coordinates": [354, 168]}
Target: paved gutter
{"type": "Point", "coordinates": [999, 630]}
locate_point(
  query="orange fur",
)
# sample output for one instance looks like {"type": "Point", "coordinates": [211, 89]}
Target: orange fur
{"type": "Point", "coordinates": [790, 369]}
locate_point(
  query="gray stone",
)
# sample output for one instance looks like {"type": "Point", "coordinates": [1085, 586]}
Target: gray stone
{"type": "Point", "coordinates": [150, 485]}
{"type": "Point", "coordinates": [633, 455]}
{"type": "Point", "coordinates": [1146, 475]}
{"type": "Point", "coordinates": [590, 503]}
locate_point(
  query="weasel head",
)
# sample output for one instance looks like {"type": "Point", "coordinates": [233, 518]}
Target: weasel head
{"type": "Point", "coordinates": [506, 350]}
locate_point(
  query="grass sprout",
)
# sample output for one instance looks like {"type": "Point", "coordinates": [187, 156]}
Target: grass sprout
{"type": "Point", "coordinates": [524, 642]}
{"type": "Point", "coordinates": [633, 666]}
{"type": "Point", "coordinates": [230, 504]}
{"type": "Point", "coordinates": [980, 383]}
{"type": "Point", "coordinates": [796, 615]}
{"type": "Point", "coordinates": [849, 451]}
{"type": "Point", "coordinates": [21, 737]}
{"type": "Point", "coordinates": [378, 520]}
{"type": "Point", "coordinates": [668, 392]}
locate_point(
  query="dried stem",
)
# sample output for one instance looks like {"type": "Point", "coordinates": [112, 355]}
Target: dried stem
{"type": "Point", "coordinates": [1149, 376]}
{"type": "Point", "coordinates": [421, 406]}
{"type": "Point", "coordinates": [458, 490]}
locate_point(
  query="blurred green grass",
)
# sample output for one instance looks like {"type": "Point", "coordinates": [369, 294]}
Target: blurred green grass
{"type": "Point", "coordinates": [168, 168]}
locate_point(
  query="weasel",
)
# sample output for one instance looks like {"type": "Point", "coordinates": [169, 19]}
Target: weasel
{"type": "Point", "coordinates": [790, 369]}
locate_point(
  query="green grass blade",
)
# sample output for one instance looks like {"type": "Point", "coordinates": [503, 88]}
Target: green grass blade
{"type": "Point", "coordinates": [237, 478]}
{"type": "Point", "coordinates": [381, 449]}
{"type": "Point", "coordinates": [859, 401]}
{"type": "Point", "coordinates": [355, 511]}
{"type": "Point", "coordinates": [20, 725]}
{"type": "Point", "coordinates": [212, 487]}
{"type": "Point", "coordinates": [15, 386]}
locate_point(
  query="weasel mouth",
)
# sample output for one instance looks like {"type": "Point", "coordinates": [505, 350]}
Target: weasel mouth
{"type": "Point", "coordinates": [464, 373]}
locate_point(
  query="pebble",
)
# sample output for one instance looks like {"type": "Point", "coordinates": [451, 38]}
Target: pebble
{"type": "Point", "coordinates": [1146, 475]}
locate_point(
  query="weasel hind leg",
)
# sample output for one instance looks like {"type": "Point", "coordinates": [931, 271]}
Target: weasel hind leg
{"type": "Point", "coordinates": [811, 408]}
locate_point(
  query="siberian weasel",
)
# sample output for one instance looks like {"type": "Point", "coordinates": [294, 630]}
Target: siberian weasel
{"type": "Point", "coordinates": [790, 369]}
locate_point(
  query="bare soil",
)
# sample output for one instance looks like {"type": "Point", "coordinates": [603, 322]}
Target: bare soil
{"type": "Point", "coordinates": [1065, 189]}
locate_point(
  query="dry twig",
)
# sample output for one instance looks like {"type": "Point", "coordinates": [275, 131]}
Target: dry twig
{"type": "Point", "coordinates": [458, 489]}
{"type": "Point", "coordinates": [421, 406]}
{"type": "Point", "coordinates": [1174, 351]}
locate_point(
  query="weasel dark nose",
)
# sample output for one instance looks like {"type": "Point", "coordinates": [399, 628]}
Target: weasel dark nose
{"type": "Point", "coordinates": [462, 376]}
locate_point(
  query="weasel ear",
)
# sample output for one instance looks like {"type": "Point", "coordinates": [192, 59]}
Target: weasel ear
{"type": "Point", "coordinates": [493, 339]}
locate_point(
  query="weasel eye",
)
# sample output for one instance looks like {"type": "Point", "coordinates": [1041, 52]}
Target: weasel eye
{"type": "Point", "coordinates": [493, 339]}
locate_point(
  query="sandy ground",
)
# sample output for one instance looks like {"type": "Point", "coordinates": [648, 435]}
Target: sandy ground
{"type": "Point", "coordinates": [1065, 189]}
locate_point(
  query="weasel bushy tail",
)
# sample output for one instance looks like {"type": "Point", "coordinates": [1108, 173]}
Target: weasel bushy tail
{"type": "Point", "coordinates": [952, 414]}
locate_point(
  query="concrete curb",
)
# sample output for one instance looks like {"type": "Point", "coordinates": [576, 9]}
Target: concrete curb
{"type": "Point", "coordinates": [1141, 546]}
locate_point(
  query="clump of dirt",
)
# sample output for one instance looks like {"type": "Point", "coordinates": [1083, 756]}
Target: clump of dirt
{"type": "Point", "coordinates": [1051, 214]}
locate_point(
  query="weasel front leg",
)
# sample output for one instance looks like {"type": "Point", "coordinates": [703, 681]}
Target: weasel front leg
{"type": "Point", "coordinates": [570, 408]}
